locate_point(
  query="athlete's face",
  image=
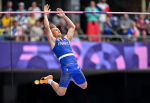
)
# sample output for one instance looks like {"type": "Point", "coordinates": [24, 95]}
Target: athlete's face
{"type": "Point", "coordinates": [56, 32]}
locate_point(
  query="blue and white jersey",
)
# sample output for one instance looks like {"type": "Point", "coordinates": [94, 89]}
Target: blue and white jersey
{"type": "Point", "coordinates": [64, 52]}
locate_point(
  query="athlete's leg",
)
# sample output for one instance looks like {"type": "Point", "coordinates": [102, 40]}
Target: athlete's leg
{"type": "Point", "coordinates": [83, 86]}
{"type": "Point", "coordinates": [59, 90]}
{"type": "Point", "coordinates": [79, 78]}
{"type": "Point", "coordinates": [49, 80]}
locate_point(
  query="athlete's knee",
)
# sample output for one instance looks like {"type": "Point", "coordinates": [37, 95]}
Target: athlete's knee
{"type": "Point", "coordinates": [61, 93]}
{"type": "Point", "coordinates": [84, 86]}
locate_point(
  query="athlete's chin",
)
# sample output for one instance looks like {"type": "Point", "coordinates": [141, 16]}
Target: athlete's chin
{"type": "Point", "coordinates": [60, 34]}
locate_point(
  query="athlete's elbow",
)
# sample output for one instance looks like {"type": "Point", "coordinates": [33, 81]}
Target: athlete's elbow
{"type": "Point", "coordinates": [46, 26]}
{"type": "Point", "coordinates": [73, 27]}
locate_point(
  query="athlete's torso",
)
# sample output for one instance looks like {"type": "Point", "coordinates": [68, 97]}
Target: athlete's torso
{"type": "Point", "coordinates": [64, 52]}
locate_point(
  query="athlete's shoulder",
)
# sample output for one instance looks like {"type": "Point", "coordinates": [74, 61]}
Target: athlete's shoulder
{"type": "Point", "coordinates": [65, 38]}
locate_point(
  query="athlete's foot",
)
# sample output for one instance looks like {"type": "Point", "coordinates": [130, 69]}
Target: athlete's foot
{"type": "Point", "coordinates": [45, 79]}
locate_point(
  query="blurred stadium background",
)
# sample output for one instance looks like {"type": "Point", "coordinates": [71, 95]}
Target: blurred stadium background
{"type": "Point", "coordinates": [112, 50]}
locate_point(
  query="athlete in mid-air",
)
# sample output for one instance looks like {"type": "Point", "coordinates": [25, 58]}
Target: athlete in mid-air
{"type": "Point", "coordinates": [61, 47]}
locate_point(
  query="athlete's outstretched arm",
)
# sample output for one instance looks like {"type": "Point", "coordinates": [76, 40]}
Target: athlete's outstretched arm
{"type": "Point", "coordinates": [49, 34]}
{"type": "Point", "coordinates": [70, 24]}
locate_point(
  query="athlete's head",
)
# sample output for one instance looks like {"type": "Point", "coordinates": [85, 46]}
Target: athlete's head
{"type": "Point", "coordinates": [55, 31]}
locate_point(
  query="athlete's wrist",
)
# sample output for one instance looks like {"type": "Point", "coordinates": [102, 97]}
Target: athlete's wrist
{"type": "Point", "coordinates": [45, 14]}
{"type": "Point", "coordinates": [64, 16]}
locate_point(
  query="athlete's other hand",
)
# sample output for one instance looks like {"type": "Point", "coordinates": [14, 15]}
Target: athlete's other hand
{"type": "Point", "coordinates": [60, 14]}
{"type": "Point", "coordinates": [46, 9]}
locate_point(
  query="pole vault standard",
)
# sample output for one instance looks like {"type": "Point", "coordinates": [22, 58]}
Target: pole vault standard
{"type": "Point", "coordinates": [75, 12]}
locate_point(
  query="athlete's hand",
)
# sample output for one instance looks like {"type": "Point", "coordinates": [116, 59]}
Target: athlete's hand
{"type": "Point", "coordinates": [46, 9]}
{"type": "Point", "coordinates": [60, 14]}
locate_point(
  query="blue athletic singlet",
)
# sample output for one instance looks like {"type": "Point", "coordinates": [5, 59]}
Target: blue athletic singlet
{"type": "Point", "coordinates": [65, 55]}
{"type": "Point", "coordinates": [64, 52]}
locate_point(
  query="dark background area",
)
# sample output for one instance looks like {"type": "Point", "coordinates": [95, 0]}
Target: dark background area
{"type": "Point", "coordinates": [102, 88]}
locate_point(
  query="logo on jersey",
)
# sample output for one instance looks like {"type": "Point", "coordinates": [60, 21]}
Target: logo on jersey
{"type": "Point", "coordinates": [63, 43]}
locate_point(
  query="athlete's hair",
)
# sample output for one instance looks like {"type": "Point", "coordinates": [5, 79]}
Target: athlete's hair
{"type": "Point", "coordinates": [51, 25]}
